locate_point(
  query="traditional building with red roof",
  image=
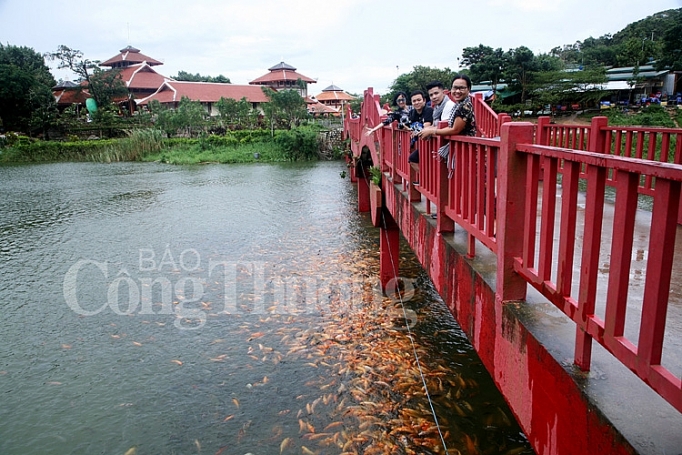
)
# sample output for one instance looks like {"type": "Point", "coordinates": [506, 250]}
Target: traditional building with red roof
{"type": "Point", "coordinates": [334, 97]}
{"type": "Point", "coordinates": [283, 76]}
{"type": "Point", "coordinates": [129, 56]}
{"type": "Point", "coordinates": [208, 93]}
{"type": "Point", "coordinates": [67, 93]}
{"type": "Point", "coordinates": [145, 84]}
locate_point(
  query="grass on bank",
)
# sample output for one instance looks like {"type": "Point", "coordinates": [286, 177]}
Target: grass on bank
{"type": "Point", "coordinates": [151, 145]}
{"type": "Point", "coordinates": [196, 154]}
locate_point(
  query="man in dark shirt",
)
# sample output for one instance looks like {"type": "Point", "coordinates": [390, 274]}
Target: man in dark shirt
{"type": "Point", "coordinates": [421, 115]}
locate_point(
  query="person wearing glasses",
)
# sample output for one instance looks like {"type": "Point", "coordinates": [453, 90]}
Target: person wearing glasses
{"type": "Point", "coordinates": [462, 120]}
{"type": "Point", "coordinates": [400, 114]}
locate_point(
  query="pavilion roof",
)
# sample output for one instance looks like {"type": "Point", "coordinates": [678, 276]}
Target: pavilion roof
{"type": "Point", "coordinates": [282, 66]}
{"type": "Point", "coordinates": [332, 88]}
{"type": "Point", "coordinates": [131, 56]}
{"type": "Point", "coordinates": [281, 72]}
{"type": "Point", "coordinates": [334, 95]}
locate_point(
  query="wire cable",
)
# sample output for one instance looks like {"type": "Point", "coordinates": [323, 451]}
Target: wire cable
{"type": "Point", "coordinates": [409, 332]}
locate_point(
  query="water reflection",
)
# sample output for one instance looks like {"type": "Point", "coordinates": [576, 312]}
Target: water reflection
{"type": "Point", "coordinates": [220, 309]}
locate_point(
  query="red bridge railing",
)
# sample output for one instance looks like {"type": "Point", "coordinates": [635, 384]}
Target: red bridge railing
{"type": "Point", "coordinates": [502, 181]}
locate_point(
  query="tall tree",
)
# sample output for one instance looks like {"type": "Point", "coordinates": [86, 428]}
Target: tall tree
{"type": "Point", "coordinates": [519, 70]}
{"type": "Point", "coordinates": [418, 79]}
{"type": "Point", "coordinates": [286, 108]}
{"type": "Point", "coordinates": [104, 85]}
{"type": "Point", "coordinates": [236, 113]}
{"type": "Point", "coordinates": [553, 86]}
{"type": "Point", "coordinates": [484, 63]}
{"type": "Point", "coordinates": [672, 46]}
{"type": "Point", "coordinates": [26, 100]}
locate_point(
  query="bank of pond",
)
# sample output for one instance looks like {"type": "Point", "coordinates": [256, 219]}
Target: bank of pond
{"type": "Point", "coordinates": [151, 145]}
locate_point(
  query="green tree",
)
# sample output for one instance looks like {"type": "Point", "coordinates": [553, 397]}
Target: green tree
{"type": "Point", "coordinates": [285, 109]}
{"type": "Point", "coordinates": [164, 118]}
{"type": "Point", "coordinates": [26, 100]}
{"type": "Point", "coordinates": [519, 69]}
{"type": "Point", "coordinates": [672, 47]}
{"type": "Point", "coordinates": [552, 87]}
{"type": "Point", "coordinates": [191, 115]}
{"type": "Point", "coordinates": [185, 76]}
{"type": "Point", "coordinates": [418, 79]}
{"type": "Point", "coordinates": [105, 86]}
{"type": "Point", "coordinates": [235, 113]}
{"type": "Point", "coordinates": [484, 63]}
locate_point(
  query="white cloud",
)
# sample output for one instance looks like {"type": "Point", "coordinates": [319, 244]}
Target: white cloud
{"type": "Point", "coordinates": [352, 43]}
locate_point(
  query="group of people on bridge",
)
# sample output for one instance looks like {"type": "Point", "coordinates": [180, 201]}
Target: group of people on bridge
{"type": "Point", "coordinates": [422, 117]}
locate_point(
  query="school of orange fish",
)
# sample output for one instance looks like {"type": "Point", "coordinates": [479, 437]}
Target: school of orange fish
{"type": "Point", "coordinates": [367, 394]}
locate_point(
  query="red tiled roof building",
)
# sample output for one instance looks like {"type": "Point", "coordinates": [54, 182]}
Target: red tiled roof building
{"type": "Point", "coordinates": [208, 93]}
{"type": "Point", "coordinates": [284, 76]}
{"type": "Point", "coordinates": [129, 56]}
{"type": "Point", "coordinates": [335, 97]}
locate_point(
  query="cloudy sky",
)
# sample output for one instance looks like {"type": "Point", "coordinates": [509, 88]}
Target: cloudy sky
{"type": "Point", "coordinates": [353, 44]}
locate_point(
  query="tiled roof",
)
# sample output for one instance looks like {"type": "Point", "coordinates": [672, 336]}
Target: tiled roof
{"type": "Point", "coordinates": [332, 88]}
{"type": "Point", "coordinates": [206, 92]}
{"type": "Point", "coordinates": [142, 76]}
{"type": "Point", "coordinates": [69, 97]}
{"type": "Point", "coordinates": [130, 55]}
{"type": "Point", "coordinates": [282, 75]}
{"type": "Point", "coordinates": [319, 108]}
{"type": "Point", "coordinates": [327, 96]}
{"type": "Point", "coordinates": [64, 84]}
{"type": "Point", "coordinates": [281, 66]}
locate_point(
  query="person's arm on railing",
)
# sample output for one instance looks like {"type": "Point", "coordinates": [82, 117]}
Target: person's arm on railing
{"type": "Point", "coordinates": [456, 128]}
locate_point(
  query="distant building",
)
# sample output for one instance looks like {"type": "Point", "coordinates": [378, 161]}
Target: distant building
{"type": "Point", "coordinates": [335, 97]}
{"type": "Point", "coordinates": [207, 93]}
{"type": "Point", "coordinates": [283, 76]}
{"type": "Point", "coordinates": [67, 93]}
{"type": "Point", "coordinates": [317, 109]}
{"type": "Point", "coordinates": [129, 56]}
{"type": "Point", "coordinates": [145, 84]}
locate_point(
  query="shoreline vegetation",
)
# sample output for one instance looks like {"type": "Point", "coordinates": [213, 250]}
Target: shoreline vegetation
{"type": "Point", "coordinates": [242, 146]}
{"type": "Point", "coordinates": [152, 145]}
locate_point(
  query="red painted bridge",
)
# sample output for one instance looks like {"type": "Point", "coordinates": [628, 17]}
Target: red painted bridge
{"type": "Point", "coordinates": [557, 249]}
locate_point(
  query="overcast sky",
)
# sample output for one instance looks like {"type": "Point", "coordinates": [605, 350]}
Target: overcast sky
{"type": "Point", "coordinates": [353, 44]}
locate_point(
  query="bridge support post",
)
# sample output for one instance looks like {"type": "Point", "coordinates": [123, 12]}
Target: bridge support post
{"type": "Point", "coordinates": [443, 223]}
{"type": "Point", "coordinates": [363, 187]}
{"type": "Point", "coordinates": [511, 205]}
{"type": "Point", "coordinates": [389, 249]}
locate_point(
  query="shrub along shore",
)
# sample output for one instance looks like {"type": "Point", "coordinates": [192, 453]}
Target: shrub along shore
{"type": "Point", "coordinates": [151, 145]}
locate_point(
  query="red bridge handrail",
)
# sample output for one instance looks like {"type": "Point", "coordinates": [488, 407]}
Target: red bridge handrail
{"type": "Point", "coordinates": [499, 184]}
{"type": "Point", "coordinates": [642, 356]}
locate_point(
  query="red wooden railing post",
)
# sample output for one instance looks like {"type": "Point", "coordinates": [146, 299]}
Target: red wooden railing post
{"type": "Point", "coordinates": [542, 132]}
{"type": "Point", "coordinates": [597, 140]}
{"type": "Point", "coordinates": [511, 209]}
{"type": "Point", "coordinates": [395, 137]}
{"type": "Point", "coordinates": [443, 222]}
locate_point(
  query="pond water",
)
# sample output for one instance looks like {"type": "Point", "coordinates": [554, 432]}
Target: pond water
{"type": "Point", "coordinates": [153, 309]}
